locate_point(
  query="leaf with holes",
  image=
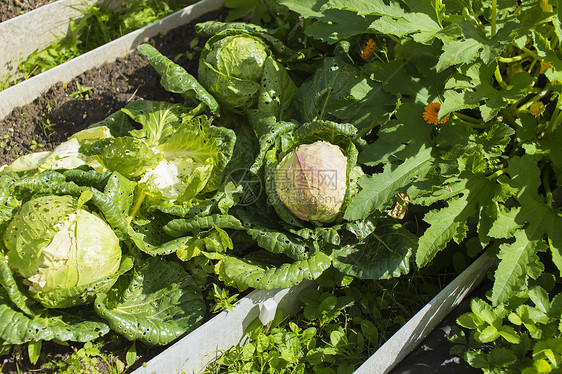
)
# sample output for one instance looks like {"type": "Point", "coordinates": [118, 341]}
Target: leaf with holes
{"type": "Point", "coordinates": [156, 304]}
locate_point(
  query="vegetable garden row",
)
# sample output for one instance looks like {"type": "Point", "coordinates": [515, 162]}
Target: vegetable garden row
{"type": "Point", "coordinates": [375, 148]}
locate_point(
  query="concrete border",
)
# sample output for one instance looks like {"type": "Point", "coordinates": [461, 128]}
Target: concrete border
{"type": "Point", "coordinates": [25, 92]}
{"type": "Point", "coordinates": [420, 325]}
{"type": "Point", "coordinates": [196, 350]}
{"type": "Point", "coordinates": [50, 22]}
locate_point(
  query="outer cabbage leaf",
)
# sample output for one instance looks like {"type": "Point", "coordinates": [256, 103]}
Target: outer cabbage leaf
{"type": "Point", "coordinates": [277, 90]}
{"type": "Point", "coordinates": [75, 325]}
{"type": "Point", "coordinates": [176, 79]}
{"type": "Point", "coordinates": [260, 276]}
{"type": "Point", "coordinates": [339, 92]}
{"type": "Point", "coordinates": [383, 253]}
{"type": "Point", "coordinates": [126, 155]}
{"type": "Point", "coordinates": [155, 305]}
{"type": "Point", "coordinates": [182, 226]}
{"type": "Point", "coordinates": [159, 119]}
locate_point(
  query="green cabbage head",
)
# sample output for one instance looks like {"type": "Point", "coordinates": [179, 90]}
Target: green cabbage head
{"type": "Point", "coordinates": [55, 245]}
{"type": "Point", "coordinates": [311, 181]}
{"type": "Point", "coordinates": [231, 68]}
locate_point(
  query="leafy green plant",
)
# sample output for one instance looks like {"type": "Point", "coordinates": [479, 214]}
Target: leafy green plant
{"type": "Point", "coordinates": [522, 336]}
{"type": "Point", "coordinates": [223, 299]}
{"type": "Point", "coordinates": [82, 92]}
{"type": "Point", "coordinates": [340, 326]}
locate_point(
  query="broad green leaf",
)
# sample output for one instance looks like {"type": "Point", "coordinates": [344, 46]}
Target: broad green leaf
{"type": "Point", "coordinates": [128, 156]}
{"type": "Point", "coordinates": [377, 190]}
{"type": "Point", "coordinates": [159, 119]}
{"type": "Point", "coordinates": [327, 90]}
{"type": "Point", "coordinates": [422, 28]}
{"type": "Point", "coordinates": [338, 24]}
{"type": "Point", "coordinates": [176, 79]}
{"type": "Point", "coordinates": [398, 139]}
{"type": "Point", "coordinates": [277, 90]}
{"type": "Point", "coordinates": [155, 305]}
{"type": "Point", "coordinates": [69, 325]}
{"type": "Point", "coordinates": [179, 227]}
{"type": "Point", "coordinates": [449, 223]}
{"type": "Point", "coordinates": [518, 260]}
{"type": "Point", "coordinates": [385, 253]}
{"type": "Point", "coordinates": [259, 276]}
{"type": "Point", "coordinates": [10, 286]}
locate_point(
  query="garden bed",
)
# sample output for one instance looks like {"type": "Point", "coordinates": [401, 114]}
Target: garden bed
{"type": "Point", "coordinates": [452, 171]}
{"type": "Point", "coordinates": [13, 8]}
{"type": "Point", "coordinates": [71, 106]}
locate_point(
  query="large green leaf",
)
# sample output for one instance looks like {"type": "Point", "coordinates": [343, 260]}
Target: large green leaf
{"type": "Point", "coordinates": [277, 90]}
{"type": "Point", "coordinates": [73, 324]}
{"type": "Point", "coordinates": [377, 190]}
{"type": "Point", "coordinates": [159, 119]}
{"type": "Point", "coordinates": [127, 155]}
{"type": "Point", "coordinates": [328, 90]}
{"type": "Point", "coordinates": [384, 253]}
{"type": "Point", "coordinates": [186, 226]}
{"type": "Point", "coordinates": [155, 305]}
{"type": "Point", "coordinates": [176, 79]}
{"type": "Point", "coordinates": [261, 276]}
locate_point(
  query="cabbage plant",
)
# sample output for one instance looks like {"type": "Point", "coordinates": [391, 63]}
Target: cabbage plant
{"type": "Point", "coordinates": [311, 181]}
{"type": "Point", "coordinates": [238, 65]}
{"type": "Point", "coordinates": [56, 244]}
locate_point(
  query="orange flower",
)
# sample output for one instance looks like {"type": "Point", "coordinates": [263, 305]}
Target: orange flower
{"type": "Point", "coordinates": [368, 49]}
{"type": "Point", "coordinates": [431, 114]}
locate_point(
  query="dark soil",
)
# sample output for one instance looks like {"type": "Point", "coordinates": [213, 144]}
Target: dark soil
{"type": "Point", "coordinates": [56, 115]}
{"type": "Point", "coordinates": [13, 8]}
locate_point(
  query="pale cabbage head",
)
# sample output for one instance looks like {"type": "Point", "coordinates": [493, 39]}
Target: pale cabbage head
{"type": "Point", "coordinates": [311, 181]}
{"type": "Point", "coordinates": [231, 69]}
{"type": "Point", "coordinates": [239, 56]}
{"type": "Point", "coordinates": [54, 245]}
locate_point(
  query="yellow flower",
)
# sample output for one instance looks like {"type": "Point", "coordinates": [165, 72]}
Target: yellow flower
{"type": "Point", "coordinates": [537, 108]}
{"type": "Point", "coordinates": [431, 114]}
{"type": "Point", "coordinates": [368, 49]}
{"type": "Point", "coordinates": [545, 65]}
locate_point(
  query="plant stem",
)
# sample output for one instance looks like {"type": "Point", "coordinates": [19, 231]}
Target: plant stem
{"type": "Point", "coordinates": [508, 60]}
{"type": "Point", "coordinates": [496, 174]}
{"type": "Point", "coordinates": [546, 186]}
{"type": "Point", "coordinates": [494, 15]}
{"type": "Point", "coordinates": [471, 121]}
{"type": "Point", "coordinates": [534, 99]}
{"type": "Point", "coordinates": [138, 202]}
{"type": "Point", "coordinates": [556, 118]}
{"type": "Point", "coordinates": [498, 76]}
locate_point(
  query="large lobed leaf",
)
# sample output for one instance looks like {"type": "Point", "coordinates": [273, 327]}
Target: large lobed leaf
{"type": "Point", "coordinates": [156, 304]}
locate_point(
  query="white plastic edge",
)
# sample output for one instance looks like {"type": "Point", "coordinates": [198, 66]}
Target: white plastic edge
{"type": "Point", "coordinates": [25, 92]}
{"type": "Point", "coordinates": [420, 325]}
{"type": "Point", "coordinates": [195, 351]}
{"type": "Point", "coordinates": [21, 35]}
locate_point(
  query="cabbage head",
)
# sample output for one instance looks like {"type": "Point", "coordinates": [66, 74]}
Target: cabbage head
{"type": "Point", "coordinates": [57, 245]}
{"type": "Point", "coordinates": [231, 67]}
{"type": "Point", "coordinates": [311, 181]}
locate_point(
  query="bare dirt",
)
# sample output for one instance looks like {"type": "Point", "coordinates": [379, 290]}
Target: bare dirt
{"type": "Point", "coordinates": [59, 113]}
{"type": "Point", "coordinates": [13, 8]}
